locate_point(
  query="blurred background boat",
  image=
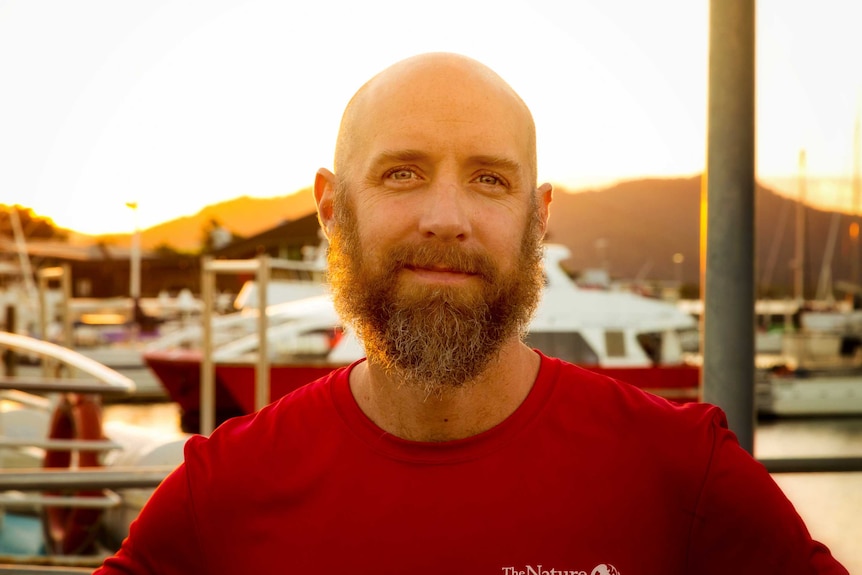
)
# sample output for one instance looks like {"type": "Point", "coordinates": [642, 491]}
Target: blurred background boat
{"type": "Point", "coordinates": [627, 336]}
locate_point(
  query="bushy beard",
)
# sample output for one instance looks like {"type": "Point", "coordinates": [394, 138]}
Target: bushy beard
{"type": "Point", "coordinates": [437, 338]}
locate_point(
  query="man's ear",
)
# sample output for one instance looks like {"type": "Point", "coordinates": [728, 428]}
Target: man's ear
{"type": "Point", "coordinates": [545, 194]}
{"type": "Point", "coordinates": [324, 194]}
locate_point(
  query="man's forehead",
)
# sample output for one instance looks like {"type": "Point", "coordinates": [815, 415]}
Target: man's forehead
{"type": "Point", "coordinates": [438, 84]}
{"type": "Point", "coordinates": [435, 88]}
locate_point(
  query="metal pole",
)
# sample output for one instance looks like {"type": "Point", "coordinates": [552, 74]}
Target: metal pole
{"type": "Point", "coordinates": [15, 568]}
{"type": "Point", "coordinates": [42, 283]}
{"type": "Point", "coordinates": [728, 365]}
{"type": "Point", "coordinates": [66, 301]}
{"type": "Point", "coordinates": [857, 198]}
{"type": "Point", "coordinates": [208, 399]}
{"type": "Point", "coordinates": [135, 256]}
{"type": "Point", "coordinates": [10, 358]}
{"type": "Point", "coordinates": [261, 390]}
{"type": "Point", "coordinates": [87, 478]}
{"type": "Point", "coordinates": [47, 364]}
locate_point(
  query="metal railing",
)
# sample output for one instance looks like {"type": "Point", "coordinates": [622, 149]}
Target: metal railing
{"type": "Point", "coordinates": [13, 569]}
{"type": "Point", "coordinates": [26, 488]}
{"type": "Point", "coordinates": [262, 268]}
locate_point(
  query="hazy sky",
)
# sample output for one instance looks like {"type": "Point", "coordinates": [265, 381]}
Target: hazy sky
{"type": "Point", "coordinates": [176, 104]}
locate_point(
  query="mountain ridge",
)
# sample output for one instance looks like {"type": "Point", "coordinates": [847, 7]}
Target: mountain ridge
{"type": "Point", "coordinates": [244, 216]}
{"type": "Point", "coordinates": [633, 228]}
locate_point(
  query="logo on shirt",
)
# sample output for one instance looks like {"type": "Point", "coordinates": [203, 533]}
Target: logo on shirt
{"type": "Point", "coordinates": [603, 569]}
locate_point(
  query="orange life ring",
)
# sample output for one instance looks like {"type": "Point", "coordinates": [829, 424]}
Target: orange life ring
{"type": "Point", "coordinates": [73, 530]}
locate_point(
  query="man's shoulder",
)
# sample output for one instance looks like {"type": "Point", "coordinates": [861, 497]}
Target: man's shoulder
{"type": "Point", "coordinates": [626, 423]}
{"type": "Point", "coordinates": [297, 413]}
{"type": "Point", "coordinates": [600, 397]}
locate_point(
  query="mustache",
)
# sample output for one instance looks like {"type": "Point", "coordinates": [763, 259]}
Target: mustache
{"type": "Point", "coordinates": [450, 257]}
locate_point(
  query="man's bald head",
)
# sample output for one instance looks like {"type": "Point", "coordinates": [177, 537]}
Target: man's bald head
{"type": "Point", "coordinates": [435, 220]}
{"type": "Point", "coordinates": [435, 79]}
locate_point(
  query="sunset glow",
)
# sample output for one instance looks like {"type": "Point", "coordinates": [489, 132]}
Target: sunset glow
{"type": "Point", "coordinates": [173, 105]}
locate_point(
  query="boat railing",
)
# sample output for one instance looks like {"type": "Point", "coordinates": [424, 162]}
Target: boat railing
{"type": "Point", "coordinates": [227, 328]}
{"type": "Point", "coordinates": [820, 350]}
{"type": "Point", "coordinates": [262, 268]}
{"type": "Point", "coordinates": [90, 478]}
{"type": "Point", "coordinates": [308, 316]}
{"type": "Point", "coordinates": [107, 379]}
{"type": "Point", "coordinates": [47, 569]}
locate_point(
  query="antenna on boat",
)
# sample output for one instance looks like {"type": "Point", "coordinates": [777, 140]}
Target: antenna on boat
{"type": "Point", "coordinates": [23, 256]}
{"type": "Point", "coordinates": [857, 194]}
{"type": "Point", "coordinates": [824, 285]}
{"type": "Point", "coordinates": [824, 288]}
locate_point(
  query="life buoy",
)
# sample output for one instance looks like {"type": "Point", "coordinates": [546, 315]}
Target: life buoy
{"type": "Point", "coordinates": [73, 530]}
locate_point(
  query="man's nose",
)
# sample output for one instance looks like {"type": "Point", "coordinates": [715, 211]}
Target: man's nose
{"type": "Point", "coordinates": [445, 212]}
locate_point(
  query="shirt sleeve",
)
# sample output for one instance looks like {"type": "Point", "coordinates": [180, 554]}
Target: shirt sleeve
{"type": "Point", "coordinates": [163, 539]}
{"type": "Point", "coordinates": [745, 524]}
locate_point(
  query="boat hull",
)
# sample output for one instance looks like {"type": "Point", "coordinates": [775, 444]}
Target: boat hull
{"type": "Point", "coordinates": [179, 372]}
{"type": "Point", "coordinates": [239, 380]}
{"type": "Point", "coordinates": [679, 383]}
{"type": "Point", "coordinates": [235, 382]}
{"type": "Point", "coordinates": [818, 394]}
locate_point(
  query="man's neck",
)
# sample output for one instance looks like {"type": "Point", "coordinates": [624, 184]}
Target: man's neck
{"type": "Point", "coordinates": [409, 412]}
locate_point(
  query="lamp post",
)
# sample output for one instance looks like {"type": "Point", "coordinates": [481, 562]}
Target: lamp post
{"type": "Point", "coordinates": [678, 258]}
{"type": "Point", "coordinates": [602, 252]}
{"type": "Point", "coordinates": [135, 262]}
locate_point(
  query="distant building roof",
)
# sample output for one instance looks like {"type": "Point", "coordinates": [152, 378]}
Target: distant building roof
{"type": "Point", "coordinates": [64, 251]}
{"type": "Point", "coordinates": [288, 236]}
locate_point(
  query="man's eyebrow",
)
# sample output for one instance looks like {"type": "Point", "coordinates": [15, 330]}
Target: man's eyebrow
{"type": "Point", "coordinates": [411, 155]}
{"type": "Point", "coordinates": [497, 162]}
{"type": "Point", "coordinates": [399, 156]}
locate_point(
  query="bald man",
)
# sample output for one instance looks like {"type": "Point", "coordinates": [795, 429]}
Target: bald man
{"type": "Point", "coordinates": [453, 447]}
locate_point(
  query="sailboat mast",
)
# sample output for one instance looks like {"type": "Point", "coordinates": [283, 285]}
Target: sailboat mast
{"type": "Point", "coordinates": [799, 260]}
{"type": "Point", "coordinates": [23, 255]}
{"type": "Point", "coordinates": [857, 198]}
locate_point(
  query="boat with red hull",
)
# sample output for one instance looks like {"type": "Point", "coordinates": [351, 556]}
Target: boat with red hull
{"type": "Point", "coordinates": [623, 335]}
{"type": "Point", "coordinates": [235, 382]}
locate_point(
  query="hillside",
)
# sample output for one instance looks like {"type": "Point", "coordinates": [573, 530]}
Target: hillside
{"type": "Point", "coordinates": [635, 227]}
{"type": "Point", "coordinates": [641, 224]}
{"type": "Point", "coordinates": [244, 216]}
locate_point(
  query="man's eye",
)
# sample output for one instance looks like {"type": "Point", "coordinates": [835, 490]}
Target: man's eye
{"type": "Point", "coordinates": [402, 174]}
{"type": "Point", "coordinates": [489, 179]}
